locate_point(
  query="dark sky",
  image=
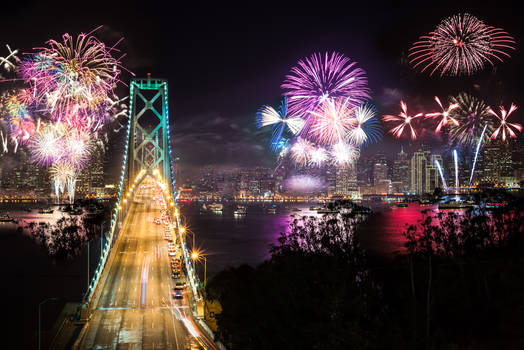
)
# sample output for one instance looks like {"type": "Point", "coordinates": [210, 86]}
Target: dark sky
{"type": "Point", "coordinates": [224, 61]}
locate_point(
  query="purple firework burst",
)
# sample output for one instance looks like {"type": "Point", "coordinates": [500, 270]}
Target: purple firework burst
{"type": "Point", "coordinates": [321, 77]}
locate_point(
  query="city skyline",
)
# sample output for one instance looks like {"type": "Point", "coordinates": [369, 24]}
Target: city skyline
{"type": "Point", "coordinates": [220, 125]}
{"type": "Point", "coordinates": [193, 176]}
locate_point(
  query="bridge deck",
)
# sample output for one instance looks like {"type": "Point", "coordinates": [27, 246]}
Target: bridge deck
{"type": "Point", "coordinates": [128, 311]}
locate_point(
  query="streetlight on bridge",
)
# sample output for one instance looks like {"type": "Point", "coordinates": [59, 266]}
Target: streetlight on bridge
{"type": "Point", "coordinates": [196, 256]}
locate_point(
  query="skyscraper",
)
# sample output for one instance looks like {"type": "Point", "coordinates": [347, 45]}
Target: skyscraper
{"type": "Point", "coordinates": [346, 180]}
{"type": "Point", "coordinates": [381, 182]}
{"type": "Point", "coordinates": [424, 174]}
{"type": "Point", "coordinates": [499, 167]}
{"type": "Point", "coordinates": [401, 175]}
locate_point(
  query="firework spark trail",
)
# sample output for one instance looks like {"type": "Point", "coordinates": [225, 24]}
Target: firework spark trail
{"type": "Point", "coordinates": [279, 119]}
{"type": "Point", "coordinates": [445, 114]}
{"type": "Point", "coordinates": [4, 142]}
{"type": "Point", "coordinates": [504, 125]}
{"type": "Point", "coordinates": [441, 174]}
{"type": "Point", "coordinates": [64, 177]}
{"type": "Point", "coordinates": [319, 78]}
{"type": "Point", "coordinates": [405, 121]}
{"type": "Point", "coordinates": [117, 106]}
{"type": "Point", "coordinates": [331, 122]}
{"type": "Point", "coordinates": [476, 154]}
{"type": "Point", "coordinates": [71, 187]}
{"type": "Point", "coordinates": [461, 44]}
{"type": "Point", "coordinates": [367, 128]}
{"type": "Point", "coordinates": [6, 61]}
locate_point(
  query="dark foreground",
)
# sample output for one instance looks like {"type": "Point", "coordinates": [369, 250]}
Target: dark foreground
{"type": "Point", "coordinates": [460, 286]}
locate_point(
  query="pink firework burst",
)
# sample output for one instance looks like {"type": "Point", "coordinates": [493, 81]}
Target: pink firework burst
{"type": "Point", "coordinates": [504, 126]}
{"type": "Point", "coordinates": [331, 122]}
{"type": "Point", "coordinates": [460, 45]}
{"type": "Point", "coordinates": [77, 72]}
{"type": "Point", "coordinates": [403, 120]}
{"type": "Point", "coordinates": [444, 116]}
{"type": "Point", "coordinates": [322, 77]}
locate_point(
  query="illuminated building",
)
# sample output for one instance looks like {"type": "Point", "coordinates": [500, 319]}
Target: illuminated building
{"type": "Point", "coordinates": [424, 174]}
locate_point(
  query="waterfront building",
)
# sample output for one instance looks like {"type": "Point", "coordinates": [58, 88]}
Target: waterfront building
{"type": "Point", "coordinates": [424, 174]}
{"type": "Point", "coordinates": [401, 174]}
{"type": "Point", "coordinates": [381, 183]}
{"type": "Point", "coordinates": [91, 180]}
{"type": "Point", "coordinates": [346, 180]}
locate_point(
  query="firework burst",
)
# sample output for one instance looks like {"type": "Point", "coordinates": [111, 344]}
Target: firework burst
{"type": "Point", "coordinates": [319, 78]}
{"type": "Point", "coordinates": [279, 119]}
{"type": "Point", "coordinates": [21, 123]}
{"type": "Point", "coordinates": [367, 126]}
{"type": "Point", "coordinates": [318, 156]}
{"type": "Point", "coordinates": [64, 176]}
{"type": "Point", "coordinates": [300, 151]}
{"type": "Point", "coordinates": [403, 121]}
{"type": "Point", "coordinates": [78, 146]}
{"type": "Point", "coordinates": [445, 118]}
{"type": "Point", "coordinates": [472, 115]}
{"type": "Point", "coordinates": [331, 122]}
{"type": "Point", "coordinates": [78, 74]}
{"type": "Point", "coordinates": [47, 146]}
{"type": "Point", "coordinates": [461, 44]}
{"type": "Point", "coordinates": [344, 153]}
{"type": "Point", "coordinates": [505, 127]}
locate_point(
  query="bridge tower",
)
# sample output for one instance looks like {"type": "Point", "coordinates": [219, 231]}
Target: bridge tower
{"type": "Point", "coordinates": [148, 148]}
{"type": "Point", "coordinates": [149, 143]}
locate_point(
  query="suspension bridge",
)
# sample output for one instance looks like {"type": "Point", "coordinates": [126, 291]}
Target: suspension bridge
{"type": "Point", "coordinates": [129, 303]}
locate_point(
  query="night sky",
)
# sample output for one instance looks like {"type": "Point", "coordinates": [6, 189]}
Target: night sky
{"type": "Point", "coordinates": [224, 62]}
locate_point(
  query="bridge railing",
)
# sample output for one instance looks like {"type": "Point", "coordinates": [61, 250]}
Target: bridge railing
{"type": "Point", "coordinates": [118, 215]}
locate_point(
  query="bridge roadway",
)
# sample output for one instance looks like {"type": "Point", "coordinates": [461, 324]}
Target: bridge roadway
{"type": "Point", "coordinates": [134, 308]}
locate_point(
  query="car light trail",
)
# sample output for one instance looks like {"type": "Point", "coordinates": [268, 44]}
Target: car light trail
{"type": "Point", "coordinates": [143, 281]}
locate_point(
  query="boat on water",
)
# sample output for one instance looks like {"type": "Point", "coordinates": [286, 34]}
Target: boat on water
{"type": "Point", "coordinates": [45, 211]}
{"type": "Point", "coordinates": [216, 207]}
{"type": "Point", "coordinates": [315, 208]}
{"type": "Point", "coordinates": [424, 202]}
{"type": "Point", "coordinates": [455, 205]}
{"type": "Point", "coordinates": [5, 217]}
{"type": "Point", "coordinates": [402, 205]}
{"type": "Point", "coordinates": [295, 209]}
{"type": "Point", "coordinates": [326, 211]}
{"type": "Point", "coordinates": [494, 205]}
{"type": "Point", "coordinates": [240, 210]}
{"type": "Point", "coordinates": [272, 210]}
{"type": "Point", "coordinates": [76, 211]}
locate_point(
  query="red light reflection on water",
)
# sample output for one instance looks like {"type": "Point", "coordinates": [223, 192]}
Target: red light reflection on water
{"type": "Point", "coordinates": [382, 231]}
